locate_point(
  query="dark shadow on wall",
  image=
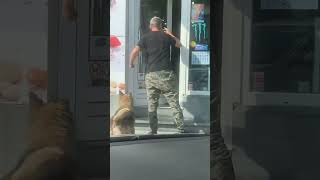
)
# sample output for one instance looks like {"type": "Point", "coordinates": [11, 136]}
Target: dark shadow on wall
{"type": "Point", "coordinates": [243, 6]}
{"type": "Point", "coordinates": [284, 141]}
{"type": "Point", "coordinates": [198, 108]}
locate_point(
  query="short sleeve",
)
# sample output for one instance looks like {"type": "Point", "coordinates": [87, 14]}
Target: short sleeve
{"type": "Point", "coordinates": [141, 43]}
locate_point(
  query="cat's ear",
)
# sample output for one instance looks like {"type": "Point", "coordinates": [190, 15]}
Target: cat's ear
{"type": "Point", "coordinates": [121, 93]}
{"type": "Point", "coordinates": [34, 100]}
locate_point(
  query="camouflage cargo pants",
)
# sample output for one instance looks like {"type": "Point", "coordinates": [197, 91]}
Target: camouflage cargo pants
{"type": "Point", "coordinates": [163, 82]}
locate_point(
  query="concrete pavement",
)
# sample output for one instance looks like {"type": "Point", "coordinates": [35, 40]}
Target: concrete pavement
{"type": "Point", "coordinates": [167, 126]}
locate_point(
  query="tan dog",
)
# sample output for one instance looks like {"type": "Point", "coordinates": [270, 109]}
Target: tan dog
{"type": "Point", "coordinates": [123, 120]}
{"type": "Point", "coordinates": [49, 148]}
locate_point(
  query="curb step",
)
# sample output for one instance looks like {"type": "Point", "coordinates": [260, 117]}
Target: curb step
{"type": "Point", "coordinates": [167, 125]}
{"type": "Point", "coordinates": [170, 123]}
{"type": "Point", "coordinates": [170, 128]}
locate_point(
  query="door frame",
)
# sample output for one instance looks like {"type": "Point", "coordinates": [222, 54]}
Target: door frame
{"type": "Point", "coordinates": [88, 99]}
{"type": "Point", "coordinates": [232, 112]}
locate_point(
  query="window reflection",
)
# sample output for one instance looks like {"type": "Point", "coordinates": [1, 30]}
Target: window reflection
{"type": "Point", "coordinates": [284, 56]}
{"type": "Point", "coordinates": [199, 46]}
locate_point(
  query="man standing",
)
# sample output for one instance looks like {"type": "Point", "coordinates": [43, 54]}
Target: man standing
{"type": "Point", "coordinates": [159, 78]}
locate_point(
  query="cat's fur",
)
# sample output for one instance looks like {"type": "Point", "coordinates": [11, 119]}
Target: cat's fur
{"type": "Point", "coordinates": [123, 120]}
{"type": "Point", "coordinates": [48, 155]}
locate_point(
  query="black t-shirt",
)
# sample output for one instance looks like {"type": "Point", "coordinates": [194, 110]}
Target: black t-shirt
{"type": "Point", "coordinates": [156, 47]}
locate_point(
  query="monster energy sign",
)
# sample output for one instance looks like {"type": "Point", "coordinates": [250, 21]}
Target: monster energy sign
{"type": "Point", "coordinates": [199, 30]}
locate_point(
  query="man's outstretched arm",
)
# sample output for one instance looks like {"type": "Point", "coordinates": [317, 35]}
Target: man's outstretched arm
{"type": "Point", "coordinates": [133, 55]}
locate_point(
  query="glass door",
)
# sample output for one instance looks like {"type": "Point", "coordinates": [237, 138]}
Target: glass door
{"type": "Point", "coordinates": [148, 9]}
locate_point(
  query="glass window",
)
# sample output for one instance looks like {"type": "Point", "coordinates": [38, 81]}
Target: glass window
{"type": "Point", "coordinates": [285, 66]}
{"type": "Point", "coordinates": [23, 58]}
{"type": "Point", "coordinates": [118, 36]}
{"type": "Point", "coordinates": [23, 68]}
{"type": "Point", "coordinates": [99, 54]}
{"type": "Point", "coordinates": [285, 52]}
{"type": "Point", "coordinates": [199, 64]}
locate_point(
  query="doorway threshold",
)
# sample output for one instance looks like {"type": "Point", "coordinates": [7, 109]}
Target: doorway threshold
{"type": "Point", "coordinates": [168, 125]}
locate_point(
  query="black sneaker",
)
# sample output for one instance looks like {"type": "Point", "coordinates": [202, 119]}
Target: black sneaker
{"type": "Point", "coordinates": [151, 132]}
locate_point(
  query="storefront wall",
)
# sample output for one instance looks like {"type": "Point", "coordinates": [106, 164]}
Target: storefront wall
{"type": "Point", "coordinates": [23, 69]}
{"type": "Point", "coordinates": [273, 128]}
{"type": "Point", "coordinates": [195, 103]}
